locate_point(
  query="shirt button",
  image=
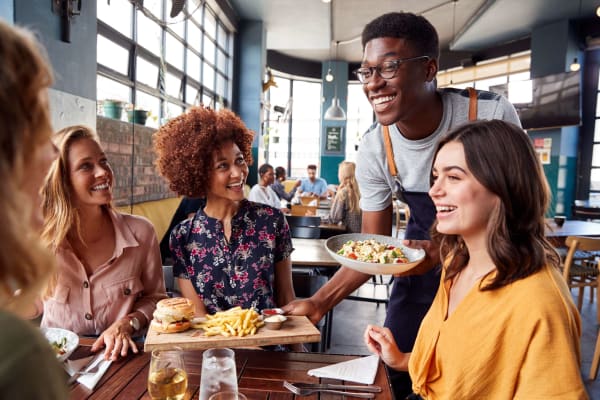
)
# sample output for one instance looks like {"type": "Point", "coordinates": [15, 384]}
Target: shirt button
{"type": "Point", "coordinates": [127, 291]}
{"type": "Point", "coordinates": [86, 284]}
{"type": "Point", "coordinates": [88, 316]}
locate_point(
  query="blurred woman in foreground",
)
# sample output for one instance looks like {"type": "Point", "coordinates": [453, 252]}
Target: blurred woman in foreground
{"type": "Point", "coordinates": [503, 324]}
{"type": "Point", "coordinates": [28, 365]}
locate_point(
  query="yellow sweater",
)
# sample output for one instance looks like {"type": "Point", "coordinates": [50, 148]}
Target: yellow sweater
{"type": "Point", "coordinates": [517, 342]}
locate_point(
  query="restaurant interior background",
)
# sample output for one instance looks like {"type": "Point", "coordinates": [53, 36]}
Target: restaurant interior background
{"type": "Point", "coordinates": [228, 53]}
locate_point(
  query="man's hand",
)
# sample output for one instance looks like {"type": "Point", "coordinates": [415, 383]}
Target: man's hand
{"type": "Point", "coordinates": [304, 307]}
{"type": "Point", "coordinates": [432, 257]}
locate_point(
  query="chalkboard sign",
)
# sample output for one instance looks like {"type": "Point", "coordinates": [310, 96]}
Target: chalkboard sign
{"type": "Point", "coordinates": [333, 139]}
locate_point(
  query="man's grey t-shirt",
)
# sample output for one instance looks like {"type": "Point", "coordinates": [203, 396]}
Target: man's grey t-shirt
{"type": "Point", "coordinates": [414, 157]}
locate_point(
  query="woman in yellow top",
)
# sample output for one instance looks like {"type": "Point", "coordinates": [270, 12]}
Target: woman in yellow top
{"type": "Point", "coordinates": [503, 324]}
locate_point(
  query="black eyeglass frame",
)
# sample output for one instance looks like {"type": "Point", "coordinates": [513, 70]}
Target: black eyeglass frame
{"type": "Point", "coordinates": [396, 63]}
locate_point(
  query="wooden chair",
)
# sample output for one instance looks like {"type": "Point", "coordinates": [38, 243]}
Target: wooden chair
{"type": "Point", "coordinates": [580, 268]}
{"type": "Point", "coordinates": [301, 210]}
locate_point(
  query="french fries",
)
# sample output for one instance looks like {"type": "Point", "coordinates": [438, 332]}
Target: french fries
{"type": "Point", "coordinates": [233, 322]}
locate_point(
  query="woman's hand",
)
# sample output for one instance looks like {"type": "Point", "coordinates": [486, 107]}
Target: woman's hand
{"type": "Point", "coordinates": [117, 340]}
{"type": "Point", "coordinates": [380, 341]}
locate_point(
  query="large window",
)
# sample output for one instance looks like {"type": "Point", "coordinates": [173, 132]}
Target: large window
{"type": "Point", "coordinates": [595, 168]}
{"type": "Point", "coordinates": [293, 121]}
{"type": "Point", "coordinates": [359, 118]}
{"type": "Point", "coordinates": [163, 64]}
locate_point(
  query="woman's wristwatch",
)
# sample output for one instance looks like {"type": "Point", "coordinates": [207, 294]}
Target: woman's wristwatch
{"type": "Point", "coordinates": [135, 324]}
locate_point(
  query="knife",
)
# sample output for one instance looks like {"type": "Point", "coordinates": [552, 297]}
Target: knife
{"type": "Point", "coordinates": [96, 359]}
{"type": "Point", "coordinates": [370, 388]}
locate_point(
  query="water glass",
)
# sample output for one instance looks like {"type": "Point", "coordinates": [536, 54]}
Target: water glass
{"type": "Point", "coordinates": [228, 396]}
{"type": "Point", "coordinates": [167, 379]}
{"type": "Point", "coordinates": [218, 372]}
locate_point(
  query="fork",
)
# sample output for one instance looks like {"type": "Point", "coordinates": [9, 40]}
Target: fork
{"type": "Point", "coordinates": [85, 371]}
{"type": "Point", "coordinates": [308, 391]}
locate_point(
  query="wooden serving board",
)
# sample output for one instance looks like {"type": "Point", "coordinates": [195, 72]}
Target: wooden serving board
{"type": "Point", "coordinates": [297, 329]}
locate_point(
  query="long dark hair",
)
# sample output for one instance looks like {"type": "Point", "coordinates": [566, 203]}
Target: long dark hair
{"type": "Point", "coordinates": [501, 157]}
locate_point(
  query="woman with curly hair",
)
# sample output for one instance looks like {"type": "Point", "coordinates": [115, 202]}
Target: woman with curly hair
{"type": "Point", "coordinates": [345, 206]}
{"type": "Point", "coordinates": [28, 366]}
{"type": "Point", "coordinates": [503, 324]}
{"type": "Point", "coordinates": [233, 252]}
{"type": "Point", "coordinates": [109, 275]}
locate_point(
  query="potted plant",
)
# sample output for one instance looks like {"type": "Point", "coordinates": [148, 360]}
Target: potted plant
{"type": "Point", "coordinates": [137, 116]}
{"type": "Point", "coordinates": [112, 108]}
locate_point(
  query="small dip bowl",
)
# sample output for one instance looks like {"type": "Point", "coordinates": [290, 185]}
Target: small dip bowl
{"type": "Point", "coordinates": [267, 312]}
{"type": "Point", "coordinates": [559, 220]}
{"type": "Point", "coordinates": [274, 321]}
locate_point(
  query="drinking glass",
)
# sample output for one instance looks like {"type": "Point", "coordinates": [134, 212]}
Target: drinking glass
{"type": "Point", "coordinates": [218, 372]}
{"type": "Point", "coordinates": [228, 396]}
{"type": "Point", "coordinates": [167, 379]}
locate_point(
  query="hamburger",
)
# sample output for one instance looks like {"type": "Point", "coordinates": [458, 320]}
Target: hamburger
{"type": "Point", "coordinates": [173, 315]}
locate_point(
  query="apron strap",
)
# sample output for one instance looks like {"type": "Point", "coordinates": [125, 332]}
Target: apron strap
{"type": "Point", "coordinates": [472, 104]}
{"type": "Point", "coordinates": [388, 142]}
{"type": "Point", "coordinates": [389, 152]}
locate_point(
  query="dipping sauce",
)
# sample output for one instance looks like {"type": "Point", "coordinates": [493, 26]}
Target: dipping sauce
{"type": "Point", "coordinates": [275, 318]}
{"type": "Point", "coordinates": [272, 311]}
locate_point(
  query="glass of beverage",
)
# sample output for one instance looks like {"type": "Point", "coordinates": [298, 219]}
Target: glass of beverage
{"type": "Point", "coordinates": [218, 373]}
{"type": "Point", "coordinates": [228, 396]}
{"type": "Point", "coordinates": [167, 379]}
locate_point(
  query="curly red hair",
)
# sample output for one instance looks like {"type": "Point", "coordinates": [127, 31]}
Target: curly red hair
{"type": "Point", "coordinates": [185, 146]}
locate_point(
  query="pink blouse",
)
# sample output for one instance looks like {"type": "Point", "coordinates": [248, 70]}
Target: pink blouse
{"type": "Point", "coordinates": [131, 280]}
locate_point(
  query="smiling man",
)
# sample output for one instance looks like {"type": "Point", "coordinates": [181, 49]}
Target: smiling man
{"type": "Point", "coordinates": [399, 65]}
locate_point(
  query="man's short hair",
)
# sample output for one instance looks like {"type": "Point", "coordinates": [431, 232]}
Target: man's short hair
{"type": "Point", "coordinates": [312, 166]}
{"type": "Point", "coordinates": [415, 29]}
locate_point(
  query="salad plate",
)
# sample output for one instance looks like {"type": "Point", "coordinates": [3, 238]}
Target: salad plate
{"type": "Point", "coordinates": [386, 255]}
{"type": "Point", "coordinates": [63, 341]}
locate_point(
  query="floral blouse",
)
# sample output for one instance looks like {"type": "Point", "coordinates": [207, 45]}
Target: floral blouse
{"type": "Point", "coordinates": [239, 272]}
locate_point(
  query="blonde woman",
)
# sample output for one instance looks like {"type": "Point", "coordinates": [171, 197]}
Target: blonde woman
{"type": "Point", "coordinates": [28, 366]}
{"type": "Point", "coordinates": [109, 267]}
{"type": "Point", "coordinates": [345, 206]}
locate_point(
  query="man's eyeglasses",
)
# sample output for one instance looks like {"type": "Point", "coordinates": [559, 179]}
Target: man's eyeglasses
{"type": "Point", "coordinates": [386, 70]}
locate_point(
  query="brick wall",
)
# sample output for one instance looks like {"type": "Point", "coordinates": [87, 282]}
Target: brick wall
{"type": "Point", "coordinates": [122, 141]}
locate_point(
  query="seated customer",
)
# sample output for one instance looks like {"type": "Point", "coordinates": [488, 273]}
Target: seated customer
{"type": "Point", "coordinates": [109, 275]}
{"type": "Point", "coordinates": [503, 324]}
{"type": "Point", "coordinates": [345, 206]}
{"type": "Point", "coordinates": [262, 192]}
{"type": "Point", "coordinates": [28, 366]}
{"type": "Point", "coordinates": [233, 252]}
{"type": "Point", "coordinates": [279, 188]}
{"type": "Point", "coordinates": [313, 185]}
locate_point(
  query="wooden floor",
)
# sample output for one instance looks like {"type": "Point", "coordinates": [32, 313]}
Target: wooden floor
{"type": "Point", "coordinates": [351, 317]}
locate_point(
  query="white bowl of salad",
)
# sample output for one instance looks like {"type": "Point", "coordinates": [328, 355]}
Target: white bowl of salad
{"type": "Point", "coordinates": [373, 254]}
{"type": "Point", "coordinates": [62, 341]}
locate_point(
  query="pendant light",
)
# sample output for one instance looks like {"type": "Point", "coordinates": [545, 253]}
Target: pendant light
{"type": "Point", "coordinates": [335, 112]}
{"type": "Point", "coordinates": [575, 66]}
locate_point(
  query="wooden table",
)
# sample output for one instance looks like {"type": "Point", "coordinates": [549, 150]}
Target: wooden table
{"type": "Point", "coordinates": [260, 375]}
{"type": "Point", "coordinates": [557, 235]}
{"type": "Point", "coordinates": [311, 253]}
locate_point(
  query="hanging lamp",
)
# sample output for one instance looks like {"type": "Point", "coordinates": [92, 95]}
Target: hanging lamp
{"type": "Point", "coordinates": [335, 112]}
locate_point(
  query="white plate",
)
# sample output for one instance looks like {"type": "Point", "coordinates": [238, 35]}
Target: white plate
{"type": "Point", "coordinates": [335, 243]}
{"type": "Point", "coordinates": [56, 335]}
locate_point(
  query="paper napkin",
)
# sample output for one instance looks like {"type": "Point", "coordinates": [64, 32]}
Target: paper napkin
{"type": "Point", "coordinates": [361, 370]}
{"type": "Point", "coordinates": [89, 381]}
